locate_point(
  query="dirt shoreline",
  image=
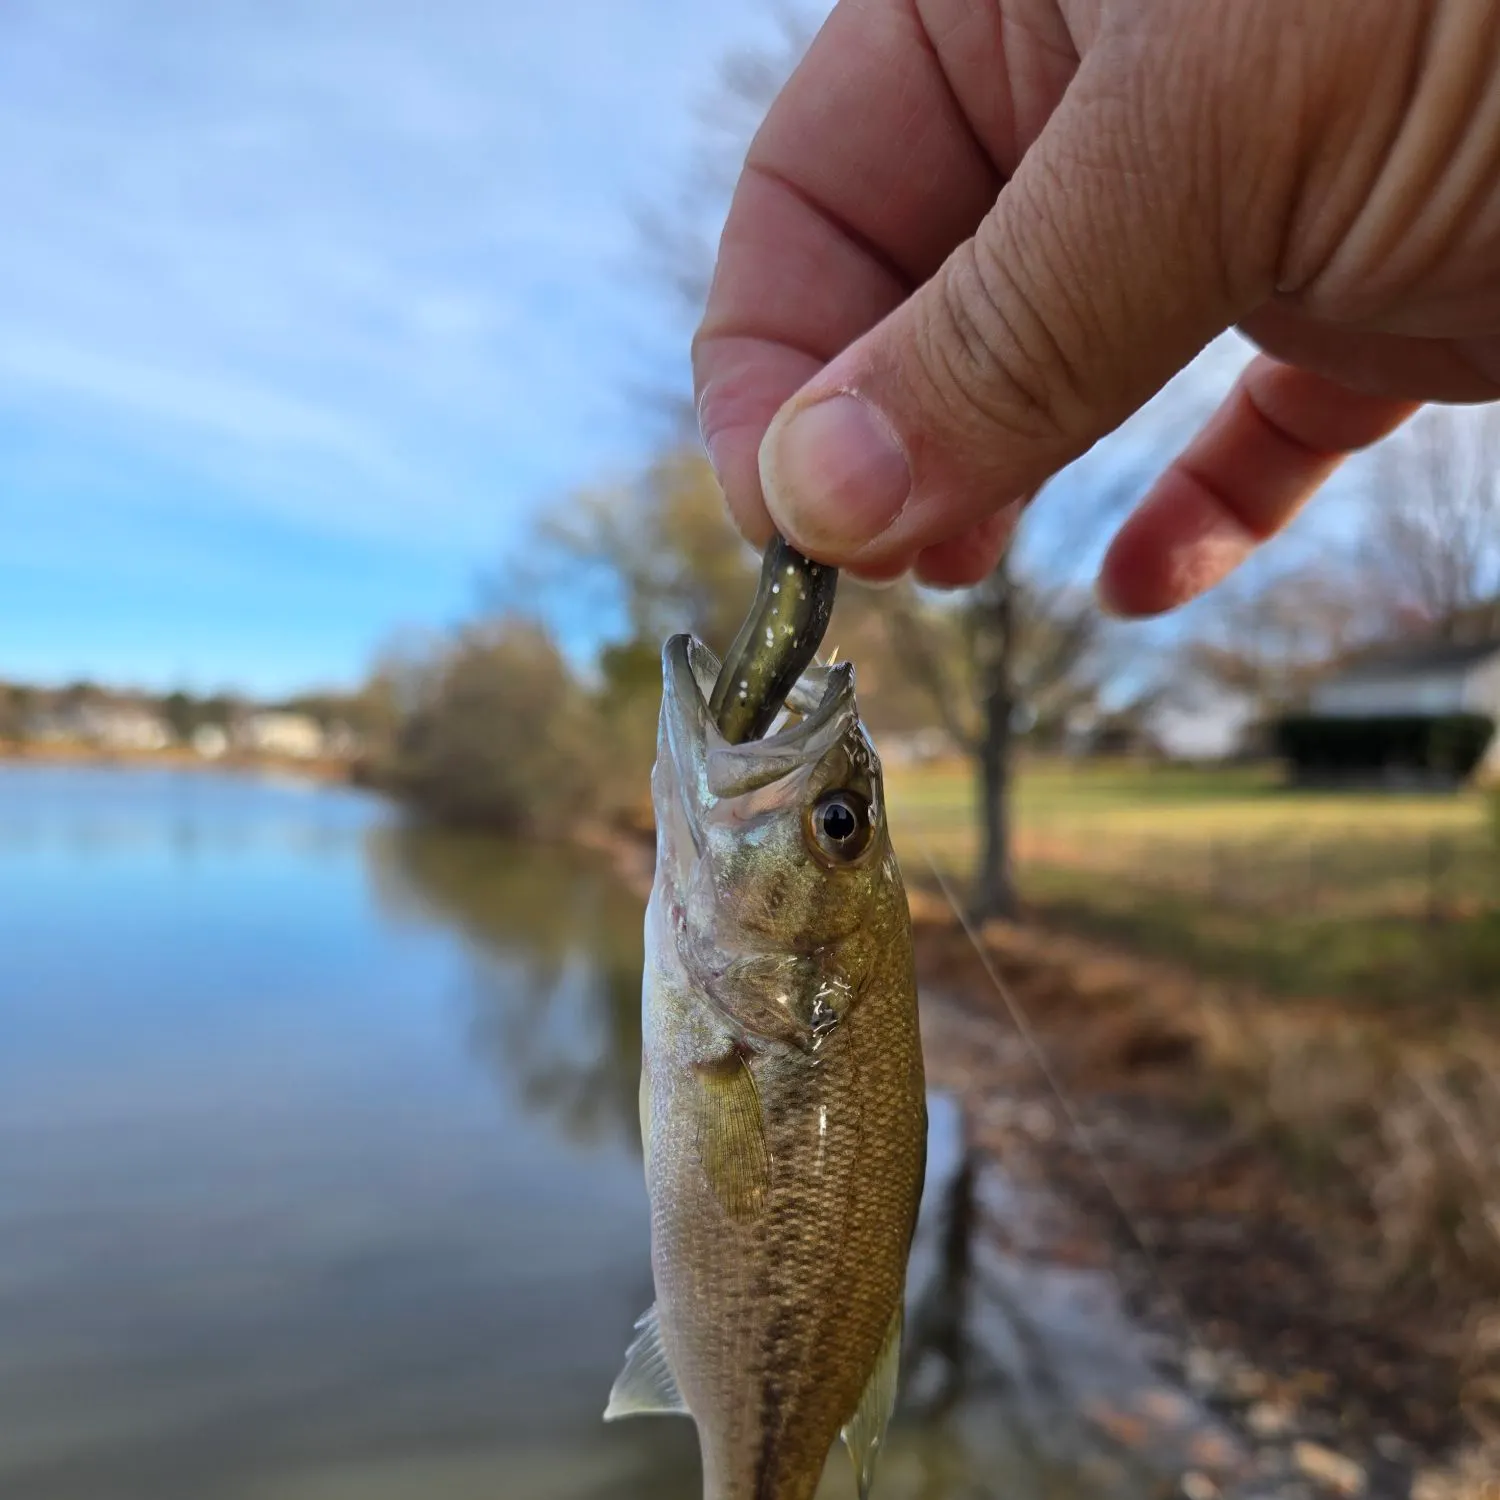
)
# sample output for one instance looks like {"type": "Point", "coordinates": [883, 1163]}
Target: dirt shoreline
{"type": "Point", "coordinates": [1219, 1246]}
{"type": "Point", "coordinates": [330, 771]}
{"type": "Point", "coordinates": [1261, 1270]}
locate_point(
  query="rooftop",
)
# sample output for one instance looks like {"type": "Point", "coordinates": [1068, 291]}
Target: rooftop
{"type": "Point", "coordinates": [1426, 655]}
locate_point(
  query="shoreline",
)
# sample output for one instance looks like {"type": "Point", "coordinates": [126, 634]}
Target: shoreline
{"type": "Point", "coordinates": [322, 769]}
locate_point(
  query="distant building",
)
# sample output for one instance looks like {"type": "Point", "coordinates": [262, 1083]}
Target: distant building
{"type": "Point", "coordinates": [916, 747]}
{"type": "Point", "coordinates": [210, 741]}
{"type": "Point", "coordinates": [297, 736]}
{"type": "Point", "coordinates": [1213, 726]}
{"type": "Point", "coordinates": [1427, 679]}
{"type": "Point", "coordinates": [1386, 708]}
{"type": "Point", "coordinates": [109, 726]}
{"type": "Point", "coordinates": [1191, 725]}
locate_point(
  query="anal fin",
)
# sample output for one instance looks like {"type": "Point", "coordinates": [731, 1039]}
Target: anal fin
{"type": "Point", "coordinates": [864, 1433]}
{"type": "Point", "coordinates": [646, 1386]}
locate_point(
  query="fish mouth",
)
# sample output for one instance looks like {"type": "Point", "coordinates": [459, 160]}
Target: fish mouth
{"type": "Point", "coordinates": [706, 766]}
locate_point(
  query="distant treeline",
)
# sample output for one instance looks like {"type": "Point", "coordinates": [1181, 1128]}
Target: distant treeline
{"type": "Point", "coordinates": [498, 732]}
{"type": "Point", "coordinates": [31, 712]}
{"type": "Point", "coordinates": [493, 725]}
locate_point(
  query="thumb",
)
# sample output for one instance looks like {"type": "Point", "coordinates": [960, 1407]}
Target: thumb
{"type": "Point", "coordinates": [1098, 274]}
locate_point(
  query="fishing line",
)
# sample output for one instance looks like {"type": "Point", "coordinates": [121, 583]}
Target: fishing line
{"type": "Point", "coordinates": [1136, 1229]}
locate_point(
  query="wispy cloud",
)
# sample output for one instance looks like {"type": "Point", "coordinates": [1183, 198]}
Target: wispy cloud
{"type": "Point", "coordinates": [380, 244]}
{"type": "Point", "coordinates": [362, 268]}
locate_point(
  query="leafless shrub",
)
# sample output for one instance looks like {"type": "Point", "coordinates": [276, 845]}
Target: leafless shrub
{"type": "Point", "coordinates": [503, 737]}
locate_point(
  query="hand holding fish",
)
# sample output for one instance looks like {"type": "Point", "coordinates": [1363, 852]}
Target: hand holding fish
{"type": "Point", "coordinates": [974, 235]}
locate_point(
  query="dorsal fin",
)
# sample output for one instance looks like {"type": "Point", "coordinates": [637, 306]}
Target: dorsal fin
{"type": "Point", "coordinates": [646, 1386]}
{"type": "Point", "coordinates": [864, 1433]}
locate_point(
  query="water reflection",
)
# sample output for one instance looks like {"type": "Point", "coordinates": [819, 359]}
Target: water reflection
{"type": "Point", "coordinates": [319, 1155]}
{"type": "Point", "coordinates": [556, 982]}
{"type": "Point", "coordinates": [938, 1360]}
{"type": "Point", "coordinates": [317, 1152]}
{"type": "Point", "coordinates": [1009, 1367]}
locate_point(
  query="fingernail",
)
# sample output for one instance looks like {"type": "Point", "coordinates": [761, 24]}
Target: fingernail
{"type": "Point", "coordinates": [834, 474]}
{"type": "Point", "coordinates": [708, 436]}
{"type": "Point", "coordinates": [710, 453]}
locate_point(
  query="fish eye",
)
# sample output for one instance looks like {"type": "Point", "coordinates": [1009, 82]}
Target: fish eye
{"type": "Point", "coordinates": [840, 826]}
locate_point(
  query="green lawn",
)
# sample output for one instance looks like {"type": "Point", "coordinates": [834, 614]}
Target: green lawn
{"type": "Point", "coordinates": [1177, 802]}
{"type": "Point", "coordinates": [1386, 896]}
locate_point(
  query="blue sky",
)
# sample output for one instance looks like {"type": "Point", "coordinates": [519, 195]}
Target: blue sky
{"type": "Point", "coordinates": [306, 308]}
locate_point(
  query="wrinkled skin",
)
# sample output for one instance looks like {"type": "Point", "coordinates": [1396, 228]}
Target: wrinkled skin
{"type": "Point", "coordinates": [779, 1258]}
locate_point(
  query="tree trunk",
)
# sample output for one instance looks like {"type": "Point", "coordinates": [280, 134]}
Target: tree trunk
{"type": "Point", "coordinates": [994, 886]}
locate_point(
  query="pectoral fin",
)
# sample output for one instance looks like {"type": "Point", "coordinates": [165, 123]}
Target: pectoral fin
{"type": "Point", "coordinates": [732, 1136]}
{"type": "Point", "coordinates": [646, 1386]}
{"type": "Point", "coordinates": [864, 1433]}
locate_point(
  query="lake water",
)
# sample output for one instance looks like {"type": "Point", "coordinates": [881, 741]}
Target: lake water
{"type": "Point", "coordinates": [320, 1179]}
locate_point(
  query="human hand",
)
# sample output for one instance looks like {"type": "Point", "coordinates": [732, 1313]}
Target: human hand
{"type": "Point", "coordinates": [973, 236]}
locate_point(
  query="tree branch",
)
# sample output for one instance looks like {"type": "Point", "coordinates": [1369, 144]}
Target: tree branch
{"type": "Point", "coordinates": [912, 643]}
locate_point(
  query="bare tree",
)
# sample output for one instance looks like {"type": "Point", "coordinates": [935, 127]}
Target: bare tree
{"type": "Point", "coordinates": [1433, 542]}
{"type": "Point", "coordinates": [663, 546]}
{"type": "Point", "coordinates": [1266, 635]}
{"type": "Point", "coordinates": [1040, 644]}
{"type": "Point", "coordinates": [1008, 655]}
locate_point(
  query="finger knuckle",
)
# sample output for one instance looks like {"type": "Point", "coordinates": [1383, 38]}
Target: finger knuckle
{"type": "Point", "coordinates": [990, 354]}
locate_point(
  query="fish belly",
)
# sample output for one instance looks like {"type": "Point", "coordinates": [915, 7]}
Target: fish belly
{"type": "Point", "coordinates": [774, 1307]}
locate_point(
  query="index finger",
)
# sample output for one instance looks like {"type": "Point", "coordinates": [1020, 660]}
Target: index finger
{"type": "Point", "coordinates": [884, 151]}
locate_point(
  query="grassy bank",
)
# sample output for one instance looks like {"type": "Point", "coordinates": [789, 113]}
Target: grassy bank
{"type": "Point", "coordinates": [1315, 1181]}
{"type": "Point", "coordinates": [1365, 895]}
{"type": "Point", "coordinates": [1274, 1003]}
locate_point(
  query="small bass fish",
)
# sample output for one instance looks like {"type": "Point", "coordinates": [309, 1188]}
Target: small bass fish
{"type": "Point", "coordinates": [783, 1106]}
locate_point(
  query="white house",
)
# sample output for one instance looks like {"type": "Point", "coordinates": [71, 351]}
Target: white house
{"type": "Point", "coordinates": [210, 741]}
{"type": "Point", "coordinates": [918, 747]}
{"type": "Point", "coordinates": [1418, 679]}
{"type": "Point", "coordinates": [1206, 726]}
{"type": "Point", "coordinates": [1425, 678]}
{"type": "Point", "coordinates": [115, 726]}
{"type": "Point", "coordinates": [296, 736]}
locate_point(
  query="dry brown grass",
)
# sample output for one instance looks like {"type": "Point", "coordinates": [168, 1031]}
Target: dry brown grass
{"type": "Point", "coordinates": [1384, 1129]}
{"type": "Point", "coordinates": [1402, 1124]}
